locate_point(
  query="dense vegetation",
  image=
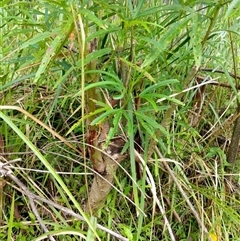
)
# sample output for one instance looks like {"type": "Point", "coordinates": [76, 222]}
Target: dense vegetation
{"type": "Point", "coordinates": [120, 120]}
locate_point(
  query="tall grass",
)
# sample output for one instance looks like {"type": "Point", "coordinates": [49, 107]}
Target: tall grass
{"type": "Point", "coordinates": [163, 75]}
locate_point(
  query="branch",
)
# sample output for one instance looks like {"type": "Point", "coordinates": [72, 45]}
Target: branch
{"type": "Point", "coordinates": [183, 193]}
{"type": "Point", "coordinates": [220, 72]}
{"type": "Point", "coordinates": [5, 170]}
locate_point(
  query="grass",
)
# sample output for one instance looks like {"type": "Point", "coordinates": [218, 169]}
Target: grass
{"type": "Point", "coordinates": [161, 74]}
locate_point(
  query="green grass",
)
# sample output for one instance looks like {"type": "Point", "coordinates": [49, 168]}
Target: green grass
{"type": "Point", "coordinates": [64, 62]}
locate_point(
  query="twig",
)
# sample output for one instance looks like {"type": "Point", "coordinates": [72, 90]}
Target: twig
{"type": "Point", "coordinates": [34, 209]}
{"type": "Point", "coordinates": [6, 171]}
{"type": "Point", "coordinates": [220, 72]}
{"type": "Point", "coordinates": [202, 79]}
{"type": "Point", "coordinates": [155, 199]}
{"type": "Point", "coordinates": [183, 193]}
{"type": "Point", "coordinates": [54, 133]}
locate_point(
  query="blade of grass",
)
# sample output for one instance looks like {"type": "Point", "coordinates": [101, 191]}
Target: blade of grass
{"type": "Point", "coordinates": [48, 166]}
{"type": "Point", "coordinates": [10, 221]}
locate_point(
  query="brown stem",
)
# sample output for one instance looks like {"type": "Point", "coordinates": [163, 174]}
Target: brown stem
{"type": "Point", "coordinates": [220, 72]}
{"type": "Point", "coordinates": [102, 183]}
{"type": "Point", "coordinates": [233, 148]}
{"type": "Point", "coordinates": [7, 172]}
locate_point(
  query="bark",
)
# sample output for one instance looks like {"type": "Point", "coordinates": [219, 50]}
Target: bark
{"type": "Point", "coordinates": [102, 182]}
{"type": "Point", "coordinates": [234, 145]}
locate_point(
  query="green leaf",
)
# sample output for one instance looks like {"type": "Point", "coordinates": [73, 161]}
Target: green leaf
{"type": "Point", "coordinates": [129, 123]}
{"type": "Point", "coordinates": [154, 87]}
{"type": "Point", "coordinates": [96, 55]}
{"type": "Point", "coordinates": [105, 73]}
{"type": "Point", "coordinates": [103, 116]}
{"type": "Point", "coordinates": [102, 104]}
{"type": "Point", "coordinates": [139, 69]}
{"type": "Point", "coordinates": [196, 38]}
{"type": "Point", "coordinates": [113, 82]}
{"type": "Point", "coordinates": [127, 231]}
{"type": "Point", "coordinates": [91, 16]}
{"type": "Point", "coordinates": [231, 82]}
{"type": "Point", "coordinates": [150, 99]}
{"type": "Point", "coordinates": [162, 44]}
{"type": "Point", "coordinates": [104, 84]}
{"type": "Point", "coordinates": [147, 128]}
{"type": "Point", "coordinates": [138, 8]}
{"type": "Point", "coordinates": [62, 232]}
{"type": "Point", "coordinates": [16, 81]}
{"type": "Point", "coordinates": [102, 32]}
{"type": "Point", "coordinates": [140, 22]}
{"type": "Point", "coordinates": [90, 234]}
{"type": "Point", "coordinates": [169, 98]}
{"type": "Point", "coordinates": [113, 129]}
{"type": "Point", "coordinates": [39, 37]}
{"type": "Point", "coordinates": [149, 123]}
{"type": "Point", "coordinates": [233, 8]}
{"type": "Point", "coordinates": [32, 217]}
{"type": "Point", "coordinates": [11, 214]}
{"type": "Point", "coordinates": [149, 11]}
{"type": "Point", "coordinates": [4, 2]}
{"type": "Point", "coordinates": [53, 49]}
{"type": "Point", "coordinates": [80, 121]}
{"type": "Point", "coordinates": [46, 164]}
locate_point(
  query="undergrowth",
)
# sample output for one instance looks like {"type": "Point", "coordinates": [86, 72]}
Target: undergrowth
{"type": "Point", "coordinates": [163, 75]}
